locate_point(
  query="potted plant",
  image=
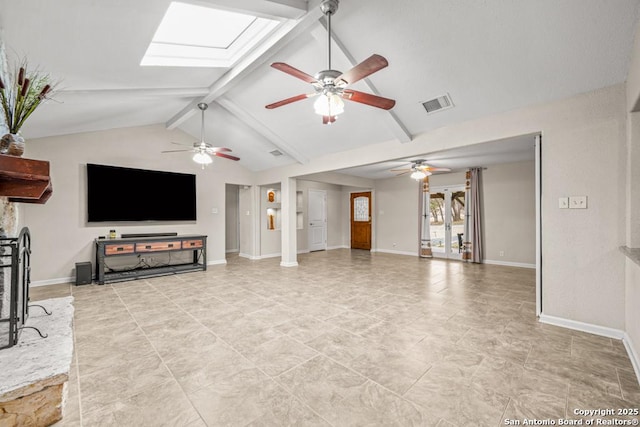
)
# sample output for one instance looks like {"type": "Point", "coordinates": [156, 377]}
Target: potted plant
{"type": "Point", "coordinates": [20, 94]}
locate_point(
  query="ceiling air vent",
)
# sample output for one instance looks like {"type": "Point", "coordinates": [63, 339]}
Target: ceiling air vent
{"type": "Point", "coordinates": [276, 153]}
{"type": "Point", "coordinates": [437, 104]}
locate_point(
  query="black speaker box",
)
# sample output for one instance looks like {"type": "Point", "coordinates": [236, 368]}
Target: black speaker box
{"type": "Point", "coordinates": [83, 273]}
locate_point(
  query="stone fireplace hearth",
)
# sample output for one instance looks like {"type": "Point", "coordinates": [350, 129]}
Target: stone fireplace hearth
{"type": "Point", "coordinates": [35, 371]}
{"type": "Point", "coordinates": [8, 227]}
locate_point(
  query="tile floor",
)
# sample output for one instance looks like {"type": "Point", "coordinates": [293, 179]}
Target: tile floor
{"type": "Point", "coordinates": [346, 338]}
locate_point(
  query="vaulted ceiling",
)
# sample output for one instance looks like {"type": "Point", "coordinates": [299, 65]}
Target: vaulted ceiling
{"type": "Point", "coordinates": [490, 56]}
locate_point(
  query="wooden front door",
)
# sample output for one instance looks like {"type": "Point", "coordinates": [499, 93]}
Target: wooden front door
{"type": "Point", "coordinates": [361, 220]}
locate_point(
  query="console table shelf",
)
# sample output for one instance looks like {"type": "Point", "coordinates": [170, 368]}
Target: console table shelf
{"type": "Point", "coordinates": [138, 247]}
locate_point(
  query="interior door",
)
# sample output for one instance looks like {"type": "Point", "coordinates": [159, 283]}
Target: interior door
{"type": "Point", "coordinates": [317, 220]}
{"type": "Point", "coordinates": [446, 222]}
{"type": "Point", "coordinates": [361, 220]}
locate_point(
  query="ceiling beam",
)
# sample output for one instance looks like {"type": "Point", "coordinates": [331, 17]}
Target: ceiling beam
{"type": "Point", "coordinates": [398, 129]}
{"type": "Point", "coordinates": [177, 91]}
{"type": "Point", "coordinates": [279, 9]}
{"type": "Point", "coordinates": [263, 130]}
{"type": "Point", "coordinates": [282, 36]}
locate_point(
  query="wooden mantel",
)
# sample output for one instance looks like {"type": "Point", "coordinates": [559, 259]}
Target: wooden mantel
{"type": "Point", "coordinates": [25, 180]}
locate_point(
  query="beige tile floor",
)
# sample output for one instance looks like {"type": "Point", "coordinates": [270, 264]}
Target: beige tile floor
{"type": "Point", "coordinates": [346, 338]}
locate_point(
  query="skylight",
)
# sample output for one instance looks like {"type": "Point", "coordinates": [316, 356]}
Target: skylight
{"type": "Point", "coordinates": [198, 36]}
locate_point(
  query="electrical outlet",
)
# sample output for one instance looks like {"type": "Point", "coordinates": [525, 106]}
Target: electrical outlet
{"type": "Point", "coordinates": [578, 202]}
{"type": "Point", "coordinates": [563, 203]}
{"type": "Point", "coordinates": [501, 253]}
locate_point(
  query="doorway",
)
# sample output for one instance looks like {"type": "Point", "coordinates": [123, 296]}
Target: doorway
{"type": "Point", "coordinates": [447, 221]}
{"type": "Point", "coordinates": [232, 218]}
{"type": "Point", "coordinates": [317, 220]}
{"type": "Point", "coordinates": [361, 220]}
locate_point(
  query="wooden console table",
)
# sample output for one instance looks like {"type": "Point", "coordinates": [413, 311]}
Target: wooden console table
{"type": "Point", "coordinates": [136, 248]}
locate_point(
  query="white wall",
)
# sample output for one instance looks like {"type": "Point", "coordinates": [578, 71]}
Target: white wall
{"type": "Point", "coordinates": [509, 211]}
{"type": "Point", "coordinates": [232, 223]}
{"type": "Point", "coordinates": [632, 277]}
{"type": "Point", "coordinates": [396, 210]}
{"type": "Point", "coordinates": [61, 235]}
{"type": "Point", "coordinates": [247, 221]}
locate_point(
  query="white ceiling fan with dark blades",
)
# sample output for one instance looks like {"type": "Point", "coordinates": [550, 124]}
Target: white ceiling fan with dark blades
{"type": "Point", "coordinates": [419, 169]}
{"type": "Point", "coordinates": [203, 150]}
{"type": "Point", "coordinates": [330, 86]}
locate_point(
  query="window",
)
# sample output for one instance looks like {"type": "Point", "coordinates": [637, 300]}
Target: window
{"type": "Point", "coordinates": [199, 36]}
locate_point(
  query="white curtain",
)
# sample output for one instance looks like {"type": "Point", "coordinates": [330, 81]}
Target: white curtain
{"type": "Point", "coordinates": [475, 220]}
{"type": "Point", "coordinates": [424, 231]}
{"type": "Point", "coordinates": [466, 244]}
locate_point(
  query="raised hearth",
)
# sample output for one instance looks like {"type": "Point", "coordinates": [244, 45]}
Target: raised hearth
{"type": "Point", "coordinates": [35, 371]}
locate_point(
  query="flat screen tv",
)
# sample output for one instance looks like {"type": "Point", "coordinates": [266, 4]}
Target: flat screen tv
{"type": "Point", "coordinates": [125, 194]}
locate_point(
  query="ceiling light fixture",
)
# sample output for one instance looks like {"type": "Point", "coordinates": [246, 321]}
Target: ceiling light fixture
{"type": "Point", "coordinates": [419, 174]}
{"type": "Point", "coordinates": [202, 158]}
{"type": "Point", "coordinates": [329, 104]}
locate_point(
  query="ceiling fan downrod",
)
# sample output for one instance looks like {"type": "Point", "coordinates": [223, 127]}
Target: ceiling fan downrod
{"type": "Point", "coordinates": [202, 106]}
{"type": "Point", "coordinates": [329, 7]}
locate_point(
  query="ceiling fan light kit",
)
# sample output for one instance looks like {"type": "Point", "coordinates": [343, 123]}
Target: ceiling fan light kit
{"type": "Point", "coordinates": [329, 105]}
{"type": "Point", "coordinates": [202, 158]}
{"type": "Point", "coordinates": [331, 85]}
{"type": "Point", "coordinates": [420, 174]}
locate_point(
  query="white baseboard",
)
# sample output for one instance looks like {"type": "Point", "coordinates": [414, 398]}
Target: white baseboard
{"type": "Point", "coordinates": [509, 264]}
{"type": "Point", "coordinates": [230, 251]}
{"type": "Point", "coordinates": [633, 355]}
{"type": "Point", "coordinates": [288, 264]}
{"type": "Point", "coordinates": [391, 251]}
{"type": "Point", "coordinates": [304, 251]}
{"type": "Point", "coordinates": [217, 262]}
{"type": "Point", "coordinates": [251, 257]}
{"type": "Point", "coordinates": [583, 327]}
{"type": "Point", "coordinates": [48, 282]}
{"type": "Point", "coordinates": [598, 330]}
{"type": "Point", "coordinates": [330, 248]}
{"type": "Point", "coordinates": [269, 256]}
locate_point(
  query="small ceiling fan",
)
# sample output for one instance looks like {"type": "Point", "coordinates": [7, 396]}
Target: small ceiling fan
{"type": "Point", "coordinates": [203, 150]}
{"type": "Point", "coordinates": [331, 85]}
{"type": "Point", "coordinates": [419, 169]}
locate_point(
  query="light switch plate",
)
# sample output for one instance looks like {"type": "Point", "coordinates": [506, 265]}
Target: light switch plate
{"type": "Point", "coordinates": [578, 202]}
{"type": "Point", "coordinates": [563, 203]}
{"type": "Point", "coordinates": [214, 211]}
